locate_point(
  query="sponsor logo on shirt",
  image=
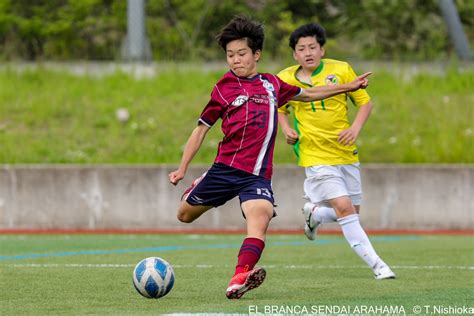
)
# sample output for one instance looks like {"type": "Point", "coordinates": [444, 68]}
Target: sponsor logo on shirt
{"type": "Point", "coordinates": [331, 80]}
{"type": "Point", "coordinates": [241, 99]}
{"type": "Point", "coordinates": [268, 85]}
{"type": "Point", "coordinates": [260, 99]}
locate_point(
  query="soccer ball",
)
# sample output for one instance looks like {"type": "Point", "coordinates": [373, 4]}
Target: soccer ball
{"type": "Point", "coordinates": [153, 277]}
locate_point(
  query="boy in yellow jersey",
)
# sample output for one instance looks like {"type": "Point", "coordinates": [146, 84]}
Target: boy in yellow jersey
{"type": "Point", "coordinates": [324, 141]}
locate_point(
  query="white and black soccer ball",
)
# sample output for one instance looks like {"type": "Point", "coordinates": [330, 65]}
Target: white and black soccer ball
{"type": "Point", "coordinates": [153, 277]}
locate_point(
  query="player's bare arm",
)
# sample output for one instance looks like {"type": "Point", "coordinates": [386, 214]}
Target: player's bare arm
{"type": "Point", "coordinates": [320, 93]}
{"type": "Point", "coordinates": [190, 149]}
{"type": "Point", "coordinates": [349, 136]}
{"type": "Point", "coordinates": [291, 135]}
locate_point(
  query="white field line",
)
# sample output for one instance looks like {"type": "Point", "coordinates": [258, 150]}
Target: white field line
{"type": "Point", "coordinates": [204, 266]}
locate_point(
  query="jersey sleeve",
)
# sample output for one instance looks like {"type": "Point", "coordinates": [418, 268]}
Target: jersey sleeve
{"type": "Point", "coordinates": [286, 107]}
{"type": "Point", "coordinates": [214, 109]}
{"type": "Point", "coordinates": [359, 97]}
{"type": "Point", "coordinates": [287, 92]}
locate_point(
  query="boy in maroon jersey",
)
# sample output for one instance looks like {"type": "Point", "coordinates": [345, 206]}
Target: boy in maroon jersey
{"type": "Point", "coordinates": [247, 103]}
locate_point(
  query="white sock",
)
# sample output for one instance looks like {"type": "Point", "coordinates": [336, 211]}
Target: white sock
{"type": "Point", "coordinates": [358, 239]}
{"type": "Point", "coordinates": [325, 215]}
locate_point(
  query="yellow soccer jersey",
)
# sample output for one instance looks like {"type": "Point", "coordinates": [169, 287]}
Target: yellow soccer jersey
{"type": "Point", "coordinates": [319, 123]}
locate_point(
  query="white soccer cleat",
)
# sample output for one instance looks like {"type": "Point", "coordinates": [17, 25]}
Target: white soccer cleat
{"type": "Point", "coordinates": [382, 271]}
{"type": "Point", "coordinates": [310, 225]}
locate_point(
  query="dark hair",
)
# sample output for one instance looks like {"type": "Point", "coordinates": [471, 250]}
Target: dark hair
{"type": "Point", "coordinates": [242, 27]}
{"type": "Point", "coordinates": [311, 29]}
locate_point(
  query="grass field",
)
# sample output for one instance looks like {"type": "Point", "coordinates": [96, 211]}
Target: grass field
{"type": "Point", "coordinates": [49, 116]}
{"type": "Point", "coordinates": [91, 274]}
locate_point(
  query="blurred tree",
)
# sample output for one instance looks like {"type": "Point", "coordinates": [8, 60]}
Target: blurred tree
{"type": "Point", "coordinates": [396, 29]}
{"type": "Point", "coordinates": [61, 29]}
{"type": "Point", "coordinates": [185, 29]}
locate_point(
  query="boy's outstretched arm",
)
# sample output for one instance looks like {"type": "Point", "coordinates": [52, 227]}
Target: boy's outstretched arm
{"type": "Point", "coordinates": [190, 149]}
{"type": "Point", "coordinates": [319, 93]}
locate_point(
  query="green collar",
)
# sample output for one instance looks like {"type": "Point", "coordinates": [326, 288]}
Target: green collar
{"type": "Point", "coordinates": [319, 69]}
{"type": "Point", "coordinates": [315, 72]}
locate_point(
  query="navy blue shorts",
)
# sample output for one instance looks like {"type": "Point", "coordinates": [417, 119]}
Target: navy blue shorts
{"type": "Point", "coordinates": [222, 183]}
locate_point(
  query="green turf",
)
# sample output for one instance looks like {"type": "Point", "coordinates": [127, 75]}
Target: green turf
{"type": "Point", "coordinates": [91, 274]}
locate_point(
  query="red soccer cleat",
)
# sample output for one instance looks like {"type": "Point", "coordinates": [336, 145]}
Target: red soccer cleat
{"type": "Point", "coordinates": [244, 282]}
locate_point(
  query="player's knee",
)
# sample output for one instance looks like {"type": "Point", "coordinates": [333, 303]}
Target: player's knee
{"type": "Point", "coordinates": [345, 211]}
{"type": "Point", "coordinates": [184, 217]}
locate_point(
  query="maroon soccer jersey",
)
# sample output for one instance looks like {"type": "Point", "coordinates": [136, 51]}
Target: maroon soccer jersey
{"type": "Point", "coordinates": [248, 109]}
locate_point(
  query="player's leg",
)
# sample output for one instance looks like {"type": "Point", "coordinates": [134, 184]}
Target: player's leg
{"type": "Point", "coordinates": [258, 214]}
{"type": "Point", "coordinates": [352, 230]}
{"type": "Point", "coordinates": [339, 187]}
{"type": "Point", "coordinates": [357, 208]}
{"type": "Point", "coordinates": [206, 192]}
{"type": "Point", "coordinates": [319, 186]}
{"type": "Point", "coordinates": [246, 276]}
{"type": "Point", "coordinates": [357, 238]}
{"type": "Point", "coordinates": [324, 182]}
{"type": "Point", "coordinates": [256, 198]}
{"type": "Point", "coordinates": [352, 179]}
{"type": "Point", "coordinates": [317, 213]}
{"type": "Point", "coordinates": [320, 213]}
{"type": "Point", "coordinates": [187, 213]}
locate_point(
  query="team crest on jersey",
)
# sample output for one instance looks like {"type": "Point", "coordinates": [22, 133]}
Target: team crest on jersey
{"type": "Point", "coordinates": [268, 85]}
{"type": "Point", "coordinates": [331, 80]}
{"type": "Point", "coordinates": [241, 99]}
